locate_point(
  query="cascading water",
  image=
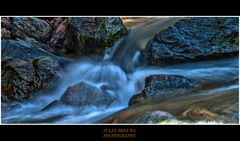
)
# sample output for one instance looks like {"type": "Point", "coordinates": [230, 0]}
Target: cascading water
{"type": "Point", "coordinates": [92, 72]}
{"type": "Point", "coordinates": [127, 56]}
{"type": "Point", "coordinates": [120, 71]}
{"type": "Point", "coordinates": [107, 72]}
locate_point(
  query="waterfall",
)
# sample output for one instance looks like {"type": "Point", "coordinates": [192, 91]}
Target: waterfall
{"type": "Point", "coordinates": [127, 54]}
{"type": "Point", "coordinates": [121, 72]}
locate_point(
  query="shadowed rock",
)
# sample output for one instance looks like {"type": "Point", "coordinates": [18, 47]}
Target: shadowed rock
{"type": "Point", "coordinates": [83, 94]}
{"type": "Point", "coordinates": [27, 68]}
{"type": "Point", "coordinates": [161, 84]}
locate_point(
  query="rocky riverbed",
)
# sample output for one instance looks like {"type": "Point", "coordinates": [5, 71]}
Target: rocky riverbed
{"type": "Point", "coordinates": [157, 70]}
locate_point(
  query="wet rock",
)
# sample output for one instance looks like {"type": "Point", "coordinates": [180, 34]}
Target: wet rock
{"type": "Point", "coordinates": [28, 27]}
{"type": "Point", "coordinates": [92, 35]}
{"type": "Point", "coordinates": [51, 105]}
{"type": "Point", "coordinates": [20, 79]}
{"type": "Point", "coordinates": [197, 114]}
{"type": "Point", "coordinates": [161, 84]}
{"type": "Point", "coordinates": [194, 39]}
{"type": "Point", "coordinates": [152, 117]}
{"type": "Point", "coordinates": [137, 99]}
{"type": "Point", "coordinates": [27, 68]}
{"type": "Point", "coordinates": [83, 94]}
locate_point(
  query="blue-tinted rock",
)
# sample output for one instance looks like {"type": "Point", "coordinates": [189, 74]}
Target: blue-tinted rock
{"type": "Point", "coordinates": [28, 27]}
{"type": "Point", "coordinates": [161, 84]}
{"type": "Point", "coordinates": [194, 39]}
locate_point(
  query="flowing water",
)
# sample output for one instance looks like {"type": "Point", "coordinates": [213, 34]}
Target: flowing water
{"type": "Point", "coordinates": [121, 70]}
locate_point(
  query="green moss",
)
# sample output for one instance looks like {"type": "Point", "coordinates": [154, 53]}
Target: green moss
{"type": "Point", "coordinates": [93, 39]}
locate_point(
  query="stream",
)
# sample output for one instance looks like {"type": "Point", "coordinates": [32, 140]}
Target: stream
{"type": "Point", "coordinates": [122, 70]}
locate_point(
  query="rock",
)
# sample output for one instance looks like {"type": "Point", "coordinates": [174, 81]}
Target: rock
{"type": "Point", "coordinates": [47, 19]}
{"type": "Point", "coordinates": [58, 37]}
{"type": "Point", "coordinates": [138, 99]}
{"type": "Point", "coordinates": [28, 27]}
{"type": "Point", "coordinates": [6, 23]}
{"type": "Point", "coordinates": [197, 114]}
{"type": "Point", "coordinates": [4, 99]}
{"type": "Point", "coordinates": [5, 34]}
{"type": "Point", "coordinates": [27, 68]}
{"type": "Point", "coordinates": [55, 22]}
{"type": "Point", "coordinates": [153, 117]}
{"type": "Point", "coordinates": [50, 105]}
{"type": "Point", "coordinates": [5, 28]}
{"type": "Point", "coordinates": [20, 79]}
{"type": "Point", "coordinates": [92, 35]}
{"type": "Point", "coordinates": [25, 49]}
{"type": "Point", "coordinates": [161, 84]}
{"type": "Point", "coordinates": [83, 94]}
{"type": "Point", "coordinates": [194, 39]}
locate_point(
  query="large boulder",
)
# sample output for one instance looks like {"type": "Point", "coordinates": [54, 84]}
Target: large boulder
{"type": "Point", "coordinates": [194, 39]}
{"type": "Point", "coordinates": [27, 68]}
{"type": "Point", "coordinates": [161, 84]}
{"type": "Point", "coordinates": [28, 27]}
{"type": "Point", "coordinates": [92, 35]}
{"type": "Point", "coordinates": [84, 94]}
